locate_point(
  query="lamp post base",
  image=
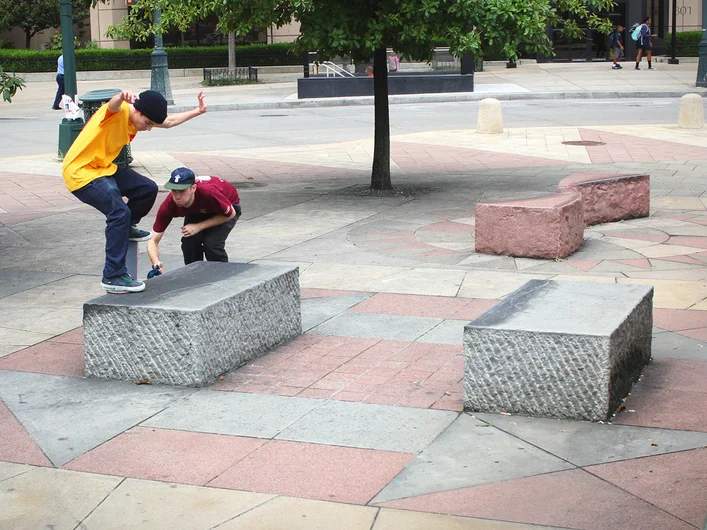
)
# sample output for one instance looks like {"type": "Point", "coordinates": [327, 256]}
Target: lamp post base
{"type": "Point", "coordinates": [673, 61]}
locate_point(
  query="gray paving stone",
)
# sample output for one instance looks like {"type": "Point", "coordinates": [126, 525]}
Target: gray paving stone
{"type": "Point", "coordinates": [468, 453]}
{"type": "Point", "coordinates": [15, 280]}
{"type": "Point", "coordinates": [318, 310]}
{"type": "Point", "coordinates": [389, 327]}
{"type": "Point", "coordinates": [240, 414]}
{"type": "Point", "coordinates": [446, 332]}
{"type": "Point", "coordinates": [67, 416]}
{"type": "Point", "coordinates": [585, 444]}
{"type": "Point", "coordinates": [382, 427]}
{"type": "Point", "coordinates": [675, 346]}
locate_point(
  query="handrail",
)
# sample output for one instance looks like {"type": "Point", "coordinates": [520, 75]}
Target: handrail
{"type": "Point", "coordinates": [331, 69]}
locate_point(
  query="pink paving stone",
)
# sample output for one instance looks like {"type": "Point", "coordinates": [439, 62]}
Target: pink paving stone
{"type": "Point", "coordinates": [15, 444]}
{"type": "Point", "coordinates": [315, 393]}
{"type": "Point", "coordinates": [166, 455]}
{"type": "Point", "coordinates": [679, 319]}
{"type": "Point", "coordinates": [699, 334]}
{"type": "Point", "coordinates": [474, 309]}
{"type": "Point", "coordinates": [556, 222]}
{"type": "Point", "coordinates": [609, 197]}
{"type": "Point", "coordinates": [324, 472]}
{"type": "Point", "coordinates": [381, 399]}
{"type": "Point", "coordinates": [47, 357]}
{"type": "Point", "coordinates": [582, 264]}
{"type": "Point", "coordinates": [308, 292]}
{"type": "Point", "coordinates": [355, 397]}
{"type": "Point", "coordinates": [448, 227]}
{"type": "Point", "coordinates": [683, 259]}
{"type": "Point", "coordinates": [641, 263]}
{"type": "Point", "coordinates": [411, 305]}
{"type": "Point", "coordinates": [688, 241]}
{"type": "Point", "coordinates": [671, 396]}
{"type": "Point", "coordinates": [676, 483]}
{"type": "Point", "coordinates": [568, 499]}
{"type": "Point", "coordinates": [288, 391]}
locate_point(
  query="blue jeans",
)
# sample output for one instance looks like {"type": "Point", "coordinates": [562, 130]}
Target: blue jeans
{"type": "Point", "coordinates": [59, 91]}
{"type": "Point", "coordinates": [106, 194]}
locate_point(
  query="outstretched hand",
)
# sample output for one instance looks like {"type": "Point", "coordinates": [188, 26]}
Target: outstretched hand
{"type": "Point", "coordinates": [202, 104]}
{"type": "Point", "coordinates": [129, 96]}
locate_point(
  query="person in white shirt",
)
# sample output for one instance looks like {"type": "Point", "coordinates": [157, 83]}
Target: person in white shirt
{"type": "Point", "coordinates": [60, 82]}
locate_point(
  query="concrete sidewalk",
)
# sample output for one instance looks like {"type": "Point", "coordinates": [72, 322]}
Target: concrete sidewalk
{"type": "Point", "coordinates": [528, 81]}
{"type": "Point", "coordinates": [358, 423]}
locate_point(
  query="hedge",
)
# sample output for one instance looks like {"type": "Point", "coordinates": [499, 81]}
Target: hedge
{"type": "Point", "coordinates": [686, 43]}
{"type": "Point", "coordinates": [276, 54]}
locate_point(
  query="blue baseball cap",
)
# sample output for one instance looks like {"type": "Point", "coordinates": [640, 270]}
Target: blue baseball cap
{"type": "Point", "coordinates": [181, 179]}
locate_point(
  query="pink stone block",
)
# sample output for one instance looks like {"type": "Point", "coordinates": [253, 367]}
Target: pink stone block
{"type": "Point", "coordinates": [608, 197]}
{"type": "Point", "coordinates": [544, 227]}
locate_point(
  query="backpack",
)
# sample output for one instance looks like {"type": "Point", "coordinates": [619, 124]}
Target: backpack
{"type": "Point", "coordinates": [636, 31]}
{"type": "Point", "coordinates": [613, 38]}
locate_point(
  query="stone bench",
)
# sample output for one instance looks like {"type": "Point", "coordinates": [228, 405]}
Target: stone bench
{"type": "Point", "coordinates": [568, 350]}
{"type": "Point", "coordinates": [608, 197]}
{"type": "Point", "coordinates": [192, 324]}
{"type": "Point", "coordinates": [544, 227]}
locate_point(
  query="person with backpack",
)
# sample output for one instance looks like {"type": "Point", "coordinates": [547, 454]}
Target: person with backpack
{"type": "Point", "coordinates": [642, 35]}
{"type": "Point", "coordinates": [615, 41]}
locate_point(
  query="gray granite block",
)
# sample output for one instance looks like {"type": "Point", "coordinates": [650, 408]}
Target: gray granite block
{"type": "Point", "coordinates": [568, 350]}
{"type": "Point", "coordinates": [192, 324]}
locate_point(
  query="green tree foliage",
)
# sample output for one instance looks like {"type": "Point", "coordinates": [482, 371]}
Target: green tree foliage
{"type": "Point", "coordinates": [34, 16]}
{"type": "Point", "coordinates": [9, 85]}
{"type": "Point", "coordinates": [363, 29]}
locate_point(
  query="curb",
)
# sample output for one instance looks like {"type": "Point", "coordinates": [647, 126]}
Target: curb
{"type": "Point", "coordinates": [440, 98]}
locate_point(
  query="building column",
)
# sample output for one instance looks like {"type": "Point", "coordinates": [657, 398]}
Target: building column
{"type": "Point", "coordinates": [103, 16]}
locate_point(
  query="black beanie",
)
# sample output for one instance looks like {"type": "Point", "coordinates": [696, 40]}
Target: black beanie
{"type": "Point", "coordinates": [152, 105]}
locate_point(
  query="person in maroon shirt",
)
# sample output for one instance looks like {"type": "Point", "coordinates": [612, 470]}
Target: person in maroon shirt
{"type": "Point", "coordinates": [210, 207]}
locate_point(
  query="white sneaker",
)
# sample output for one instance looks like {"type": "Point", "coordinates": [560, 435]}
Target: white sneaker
{"type": "Point", "coordinates": [652, 68]}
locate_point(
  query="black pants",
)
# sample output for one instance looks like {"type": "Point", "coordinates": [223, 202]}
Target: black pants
{"type": "Point", "coordinates": [210, 242]}
{"type": "Point", "coordinates": [59, 91]}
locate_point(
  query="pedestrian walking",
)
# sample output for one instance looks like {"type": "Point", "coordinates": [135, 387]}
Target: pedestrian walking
{"type": "Point", "coordinates": [92, 176]}
{"type": "Point", "coordinates": [617, 45]}
{"type": "Point", "coordinates": [644, 44]}
{"type": "Point", "coordinates": [59, 82]}
{"type": "Point", "coordinates": [210, 207]}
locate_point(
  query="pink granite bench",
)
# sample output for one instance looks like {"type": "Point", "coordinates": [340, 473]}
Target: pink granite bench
{"type": "Point", "coordinates": [608, 197]}
{"type": "Point", "coordinates": [545, 227]}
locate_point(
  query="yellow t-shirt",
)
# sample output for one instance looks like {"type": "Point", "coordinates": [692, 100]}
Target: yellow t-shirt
{"type": "Point", "coordinates": [98, 144]}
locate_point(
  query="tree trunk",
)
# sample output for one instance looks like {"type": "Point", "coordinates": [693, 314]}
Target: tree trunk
{"type": "Point", "coordinates": [380, 176]}
{"type": "Point", "coordinates": [28, 38]}
{"type": "Point", "coordinates": [232, 51]}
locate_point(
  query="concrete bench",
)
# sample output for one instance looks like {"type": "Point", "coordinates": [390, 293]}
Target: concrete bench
{"type": "Point", "coordinates": [192, 324]}
{"type": "Point", "coordinates": [568, 350]}
{"type": "Point", "coordinates": [544, 227]}
{"type": "Point", "coordinates": [607, 197]}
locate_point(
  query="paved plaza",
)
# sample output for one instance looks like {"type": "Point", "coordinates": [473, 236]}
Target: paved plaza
{"type": "Point", "coordinates": [358, 423]}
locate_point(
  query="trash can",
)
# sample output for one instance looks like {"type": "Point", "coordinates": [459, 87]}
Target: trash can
{"type": "Point", "coordinates": [90, 103]}
{"type": "Point", "coordinates": [68, 131]}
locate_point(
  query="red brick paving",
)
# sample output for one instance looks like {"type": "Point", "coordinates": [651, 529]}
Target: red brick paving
{"type": "Point", "coordinates": [15, 444]}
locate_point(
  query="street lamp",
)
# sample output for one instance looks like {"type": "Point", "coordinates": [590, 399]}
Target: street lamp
{"type": "Point", "coordinates": [673, 44]}
{"type": "Point", "coordinates": [159, 80]}
{"type": "Point", "coordinates": [702, 65]}
{"type": "Point", "coordinates": [68, 128]}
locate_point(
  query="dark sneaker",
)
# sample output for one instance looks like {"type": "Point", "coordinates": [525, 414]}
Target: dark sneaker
{"type": "Point", "coordinates": [620, 67]}
{"type": "Point", "coordinates": [139, 235]}
{"type": "Point", "coordinates": [616, 67]}
{"type": "Point", "coordinates": [652, 68]}
{"type": "Point", "coordinates": [122, 284]}
{"type": "Point", "coordinates": [637, 68]}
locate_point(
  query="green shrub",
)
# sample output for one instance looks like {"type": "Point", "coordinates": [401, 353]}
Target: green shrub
{"type": "Point", "coordinates": [119, 59]}
{"type": "Point", "coordinates": [686, 43]}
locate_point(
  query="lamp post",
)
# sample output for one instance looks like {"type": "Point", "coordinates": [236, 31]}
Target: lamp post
{"type": "Point", "coordinates": [702, 65]}
{"type": "Point", "coordinates": [673, 44]}
{"type": "Point", "coordinates": [159, 80]}
{"type": "Point", "coordinates": [68, 128]}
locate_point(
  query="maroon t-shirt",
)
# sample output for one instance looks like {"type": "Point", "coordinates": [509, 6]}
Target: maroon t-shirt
{"type": "Point", "coordinates": [213, 196]}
